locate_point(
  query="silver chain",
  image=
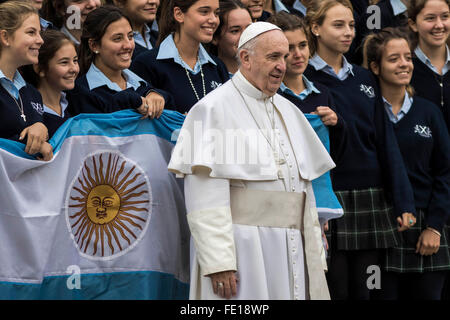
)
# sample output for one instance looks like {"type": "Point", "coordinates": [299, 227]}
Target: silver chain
{"type": "Point", "coordinates": [22, 114]}
{"type": "Point", "coordinates": [190, 80]}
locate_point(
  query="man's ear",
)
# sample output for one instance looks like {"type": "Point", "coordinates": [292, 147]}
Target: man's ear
{"type": "Point", "coordinates": [178, 15]}
{"type": "Point", "coordinates": [375, 68]}
{"type": "Point", "coordinates": [244, 57]}
{"type": "Point", "coordinates": [4, 38]}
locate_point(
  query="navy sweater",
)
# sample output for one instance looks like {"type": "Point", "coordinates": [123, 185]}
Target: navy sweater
{"type": "Point", "coordinates": [425, 146]}
{"type": "Point", "coordinates": [338, 133]}
{"type": "Point", "coordinates": [168, 75]}
{"type": "Point", "coordinates": [138, 49]}
{"type": "Point", "coordinates": [372, 157]}
{"type": "Point", "coordinates": [81, 100]}
{"type": "Point", "coordinates": [426, 83]}
{"type": "Point", "coordinates": [11, 123]}
{"type": "Point", "coordinates": [115, 101]}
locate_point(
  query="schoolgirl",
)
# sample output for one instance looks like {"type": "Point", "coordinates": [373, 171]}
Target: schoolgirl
{"type": "Point", "coordinates": [69, 15]}
{"type": "Point", "coordinates": [371, 181]}
{"type": "Point", "coordinates": [418, 264]}
{"type": "Point", "coordinates": [20, 104]}
{"type": "Point", "coordinates": [256, 9]}
{"type": "Point", "coordinates": [106, 49]}
{"type": "Point", "coordinates": [234, 18]}
{"type": "Point", "coordinates": [180, 65]}
{"type": "Point", "coordinates": [142, 14]}
{"type": "Point", "coordinates": [309, 97]}
{"type": "Point", "coordinates": [430, 22]}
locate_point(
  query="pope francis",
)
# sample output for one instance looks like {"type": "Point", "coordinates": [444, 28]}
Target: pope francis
{"type": "Point", "coordinates": [248, 156]}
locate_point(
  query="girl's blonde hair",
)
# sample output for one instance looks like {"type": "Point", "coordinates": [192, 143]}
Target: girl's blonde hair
{"type": "Point", "coordinates": [316, 15]}
{"type": "Point", "coordinates": [13, 13]}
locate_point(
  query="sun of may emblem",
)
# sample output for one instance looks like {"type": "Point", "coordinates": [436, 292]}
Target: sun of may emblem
{"type": "Point", "coordinates": [108, 206]}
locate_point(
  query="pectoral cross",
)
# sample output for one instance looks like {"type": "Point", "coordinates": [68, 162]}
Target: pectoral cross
{"type": "Point", "coordinates": [24, 117]}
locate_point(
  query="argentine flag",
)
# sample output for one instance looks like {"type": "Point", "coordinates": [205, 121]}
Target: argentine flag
{"type": "Point", "coordinates": [104, 219]}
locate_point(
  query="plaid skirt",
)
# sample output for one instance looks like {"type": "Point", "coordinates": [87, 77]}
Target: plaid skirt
{"type": "Point", "coordinates": [403, 258]}
{"type": "Point", "coordinates": [368, 222]}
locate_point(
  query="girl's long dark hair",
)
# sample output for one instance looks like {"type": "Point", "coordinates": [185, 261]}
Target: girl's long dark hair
{"type": "Point", "coordinates": [167, 23]}
{"type": "Point", "coordinates": [94, 28]}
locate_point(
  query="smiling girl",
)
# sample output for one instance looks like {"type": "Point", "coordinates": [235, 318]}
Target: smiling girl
{"type": "Point", "coordinates": [417, 266]}
{"type": "Point", "coordinates": [430, 22]}
{"type": "Point", "coordinates": [21, 104]}
{"type": "Point", "coordinates": [180, 64]}
{"type": "Point", "coordinates": [142, 14]}
{"type": "Point", "coordinates": [371, 181]}
{"type": "Point", "coordinates": [69, 15]}
{"type": "Point", "coordinates": [307, 96]}
{"type": "Point", "coordinates": [106, 49]}
{"type": "Point", "coordinates": [234, 18]}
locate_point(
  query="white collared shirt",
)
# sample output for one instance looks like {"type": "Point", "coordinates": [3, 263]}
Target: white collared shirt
{"type": "Point", "coordinates": [13, 86]}
{"type": "Point", "coordinates": [309, 88]}
{"type": "Point", "coordinates": [398, 7]}
{"type": "Point", "coordinates": [300, 7]}
{"type": "Point", "coordinates": [407, 103]}
{"type": "Point", "coordinates": [64, 104]}
{"type": "Point", "coordinates": [422, 57]}
{"type": "Point", "coordinates": [279, 6]}
{"type": "Point", "coordinates": [319, 64]}
{"type": "Point", "coordinates": [168, 50]}
{"type": "Point", "coordinates": [96, 78]}
{"type": "Point", "coordinates": [140, 40]}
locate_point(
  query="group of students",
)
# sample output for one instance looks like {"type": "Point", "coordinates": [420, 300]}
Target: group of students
{"type": "Point", "coordinates": [388, 121]}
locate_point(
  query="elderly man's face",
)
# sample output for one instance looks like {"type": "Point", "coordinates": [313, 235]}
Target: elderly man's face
{"type": "Point", "coordinates": [266, 66]}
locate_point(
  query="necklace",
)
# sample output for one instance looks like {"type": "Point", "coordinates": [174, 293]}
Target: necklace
{"type": "Point", "coordinates": [190, 80]}
{"type": "Point", "coordinates": [279, 161]}
{"type": "Point", "coordinates": [22, 114]}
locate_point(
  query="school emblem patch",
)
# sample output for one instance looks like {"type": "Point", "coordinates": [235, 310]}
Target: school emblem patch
{"type": "Point", "coordinates": [215, 85]}
{"type": "Point", "coordinates": [38, 107]}
{"type": "Point", "coordinates": [423, 131]}
{"type": "Point", "coordinates": [368, 90]}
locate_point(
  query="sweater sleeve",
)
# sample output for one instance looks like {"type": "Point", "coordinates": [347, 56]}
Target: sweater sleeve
{"type": "Point", "coordinates": [395, 176]}
{"type": "Point", "coordinates": [338, 134]}
{"type": "Point", "coordinates": [439, 208]}
{"type": "Point", "coordinates": [141, 67]}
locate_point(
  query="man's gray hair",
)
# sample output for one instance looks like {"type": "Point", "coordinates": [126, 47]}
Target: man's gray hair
{"type": "Point", "coordinates": [250, 46]}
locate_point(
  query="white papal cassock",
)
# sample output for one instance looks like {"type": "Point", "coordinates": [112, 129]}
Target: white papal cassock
{"type": "Point", "coordinates": [256, 216]}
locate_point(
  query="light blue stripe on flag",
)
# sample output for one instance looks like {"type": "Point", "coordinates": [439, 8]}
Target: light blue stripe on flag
{"type": "Point", "coordinates": [327, 203]}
